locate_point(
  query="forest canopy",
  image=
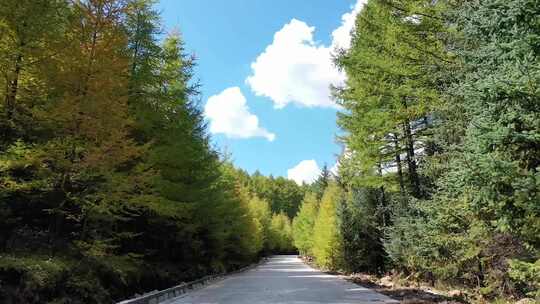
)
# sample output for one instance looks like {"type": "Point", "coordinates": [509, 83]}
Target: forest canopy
{"type": "Point", "coordinates": [110, 184]}
{"type": "Point", "coordinates": [440, 176]}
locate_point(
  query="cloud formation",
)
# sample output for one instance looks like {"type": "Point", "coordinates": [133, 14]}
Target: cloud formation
{"type": "Point", "coordinates": [296, 69]}
{"type": "Point", "coordinates": [229, 114]}
{"type": "Point", "coordinates": [306, 171]}
{"type": "Point", "coordinates": [341, 37]}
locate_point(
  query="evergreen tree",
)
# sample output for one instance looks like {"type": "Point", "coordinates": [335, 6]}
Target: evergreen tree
{"type": "Point", "coordinates": [486, 206]}
{"type": "Point", "coordinates": [112, 187]}
{"type": "Point", "coordinates": [303, 224]}
{"type": "Point", "coordinates": [260, 212]}
{"type": "Point", "coordinates": [362, 226]}
{"type": "Point", "coordinates": [280, 234]}
{"type": "Point", "coordinates": [31, 39]}
{"type": "Point", "coordinates": [390, 92]}
{"type": "Point", "coordinates": [327, 239]}
{"type": "Point", "coordinates": [284, 195]}
{"type": "Point", "coordinates": [478, 228]}
{"type": "Point", "coordinates": [321, 182]}
{"type": "Point", "coordinates": [242, 232]}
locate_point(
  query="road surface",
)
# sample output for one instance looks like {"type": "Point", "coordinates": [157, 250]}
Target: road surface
{"type": "Point", "coordinates": [282, 279]}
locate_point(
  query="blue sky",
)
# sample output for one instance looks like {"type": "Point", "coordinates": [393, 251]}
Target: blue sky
{"type": "Point", "coordinates": [265, 68]}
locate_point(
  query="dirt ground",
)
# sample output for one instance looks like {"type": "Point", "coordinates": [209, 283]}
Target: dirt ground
{"type": "Point", "coordinates": [406, 295]}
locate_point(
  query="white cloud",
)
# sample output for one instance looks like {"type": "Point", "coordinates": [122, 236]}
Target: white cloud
{"type": "Point", "coordinates": [297, 69]}
{"type": "Point", "coordinates": [341, 37]}
{"type": "Point", "coordinates": [229, 114]}
{"type": "Point", "coordinates": [306, 171]}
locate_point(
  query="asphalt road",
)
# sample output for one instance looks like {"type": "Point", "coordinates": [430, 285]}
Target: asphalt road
{"type": "Point", "coordinates": [282, 279]}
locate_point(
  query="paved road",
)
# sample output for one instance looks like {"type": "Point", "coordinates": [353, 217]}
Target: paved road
{"type": "Point", "coordinates": [282, 279]}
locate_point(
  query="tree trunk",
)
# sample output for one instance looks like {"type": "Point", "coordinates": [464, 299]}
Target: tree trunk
{"type": "Point", "coordinates": [135, 49]}
{"type": "Point", "coordinates": [13, 87]}
{"type": "Point", "coordinates": [398, 164]}
{"type": "Point", "coordinates": [384, 216]}
{"type": "Point", "coordinates": [411, 159]}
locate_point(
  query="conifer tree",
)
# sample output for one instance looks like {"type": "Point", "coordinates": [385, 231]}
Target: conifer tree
{"type": "Point", "coordinates": [282, 194]}
{"type": "Point", "coordinates": [362, 226]}
{"type": "Point", "coordinates": [327, 239]}
{"type": "Point", "coordinates": [473, 230]}
{"type": "Point", "coordinates": [280, 234]}
{"type": "Point", "coordinates": [485, 209]}
{"type": "Point", "coordinates": [261, 213]}
{"type": "Point", "coordinates": [89, 143]}
{"type": "Point", "coordinates": [321, 182]}
{"type": "Point", "coordinates": [31, 38]}
{"type": "Point", "coordinates": [112, 185]}
{"type": "Point", "coordinates": [390, 92]}
{"type": "Point", "coordinates": [303, 224]}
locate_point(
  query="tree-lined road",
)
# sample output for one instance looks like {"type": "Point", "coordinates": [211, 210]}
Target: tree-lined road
{"type": "Point", "coordinates": [282, 279]}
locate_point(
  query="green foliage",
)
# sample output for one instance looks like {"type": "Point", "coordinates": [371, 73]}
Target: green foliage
{"type": "Point", "coordinates": [109, 184]}
{"type": "Point", "coordinates": [362, 222]}
{"type": "Point", "coordinates": [320, 184]}
{"type": "Point", "coordinates": [262, 216]}
{"type": "Point", "coordinates": [303, 224]}
{"type": "Point", "coordinates": [502, 168]}
{"type": "Point", "coordinates": [485, 210]}
{"type": "Point", "coordinates": [45, 279]}
{"type": "Point", "coordinates": [528, 275]}
{"type": "Point", "coordinates": [107, 173]}
{"type": "Point", "coordinates": [242, 230]}
{"type": "Point", "coordinates": [492, 178]}
{"type": "Point", "coordinates": [441, 126]}
{"type": "Point", "coordinates": [389, 94]}
{"type": "Point", "coordinates": [284, 195]}
{"type": "Point", "coordinates": [327, 239]}
{"type": "Point", "coordinates": [280, 234]}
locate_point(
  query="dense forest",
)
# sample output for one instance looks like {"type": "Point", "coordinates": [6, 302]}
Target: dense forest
{"type": "Point", "coordinates": [439, 179]}
{"type": "Point", "coordinates": [110, 185]}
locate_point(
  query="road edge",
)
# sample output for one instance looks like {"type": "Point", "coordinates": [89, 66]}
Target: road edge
{"type": "Point", "coordinates": [181, 289]}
